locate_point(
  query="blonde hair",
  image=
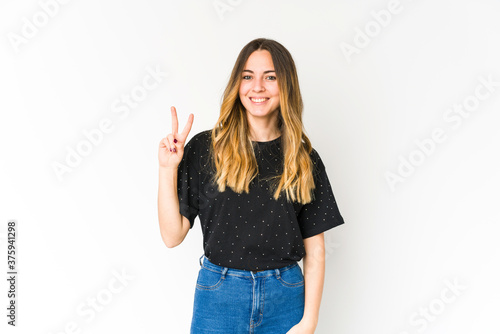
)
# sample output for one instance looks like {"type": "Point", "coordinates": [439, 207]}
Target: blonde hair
{"type": "Point", "coordinates": [232, 150]}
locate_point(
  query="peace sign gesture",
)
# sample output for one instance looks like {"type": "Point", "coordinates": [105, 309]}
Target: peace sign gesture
{"type": "Point", "coordinates": [172, 146]}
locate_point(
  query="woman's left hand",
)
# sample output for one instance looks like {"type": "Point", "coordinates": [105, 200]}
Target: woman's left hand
{"type": "Point", "coordinates": [302, 328]}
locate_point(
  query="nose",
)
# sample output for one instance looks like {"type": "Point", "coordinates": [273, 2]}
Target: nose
{"type": "Point", "coordinates": [258, 86]}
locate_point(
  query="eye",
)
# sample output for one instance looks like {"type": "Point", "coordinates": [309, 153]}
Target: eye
{"type": "Point", "coordinates": [246, 77]}
{"type": "Point", "coordinates": [271, 77]}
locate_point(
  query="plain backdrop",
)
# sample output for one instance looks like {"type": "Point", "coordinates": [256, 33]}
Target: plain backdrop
{"type": "Point", "coordinates": [408, 90]}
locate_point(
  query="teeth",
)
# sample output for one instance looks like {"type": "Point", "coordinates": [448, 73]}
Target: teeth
{"type": "Point", "coordinates": [258, 100]}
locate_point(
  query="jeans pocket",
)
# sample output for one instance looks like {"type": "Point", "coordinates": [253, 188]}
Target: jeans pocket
{"type": "Point", "coordinates": [209, 279]}
{"type": "Point", "coordinates": [292, 277]}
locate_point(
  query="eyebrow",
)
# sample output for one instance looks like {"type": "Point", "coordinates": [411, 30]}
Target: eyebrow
{"type": "Point", "coordinates": [269, 71]}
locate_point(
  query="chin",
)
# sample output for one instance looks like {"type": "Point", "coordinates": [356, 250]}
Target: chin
{"type": "Point", "coordinates": [260, 113]}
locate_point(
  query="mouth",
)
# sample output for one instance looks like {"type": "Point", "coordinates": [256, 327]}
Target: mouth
{"type": "Point", "coordinates": [258, 99]}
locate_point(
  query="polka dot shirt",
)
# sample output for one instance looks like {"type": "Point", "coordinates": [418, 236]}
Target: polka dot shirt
{"type": "Point", "coordinates": [252, 231]}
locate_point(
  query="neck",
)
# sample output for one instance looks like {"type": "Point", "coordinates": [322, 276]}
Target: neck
{"type": "Point", "coordinates": [263, 129]}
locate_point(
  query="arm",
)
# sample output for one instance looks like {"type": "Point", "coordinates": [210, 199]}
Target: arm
{"type": "Point", "coordinates": [173, 226]}
{"type": "Point", "coordinates": [314, 277]}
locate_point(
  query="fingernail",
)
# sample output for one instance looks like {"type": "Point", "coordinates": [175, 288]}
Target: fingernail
{"type": "Point", "coordinates": [170, 149]}
{"type": "Point", "coordinates": [175, 140]}
{"type": "Point", "coordinates": [175, 150]}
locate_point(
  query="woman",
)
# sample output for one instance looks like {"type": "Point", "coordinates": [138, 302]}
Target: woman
{"type": "Point", "coordinates": [263, 199]}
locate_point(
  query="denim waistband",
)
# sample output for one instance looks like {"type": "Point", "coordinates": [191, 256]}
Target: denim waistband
{"type": "Point", "coordinates": [205, 262]}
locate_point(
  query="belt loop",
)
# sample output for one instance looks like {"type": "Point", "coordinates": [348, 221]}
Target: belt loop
{"type": "Point", "coordinates": [201, 258]}
{"type": "Point", "coordinates": [224, 271]}
{"type": "Point", "coordinates": [277, 273]}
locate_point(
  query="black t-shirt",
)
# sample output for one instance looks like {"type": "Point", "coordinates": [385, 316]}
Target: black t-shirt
{"type": "Point", "coordinates": [252, 231]}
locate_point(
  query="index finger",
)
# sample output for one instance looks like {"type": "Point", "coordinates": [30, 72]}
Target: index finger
{"type": "Point", "coordinates": [187, 128]}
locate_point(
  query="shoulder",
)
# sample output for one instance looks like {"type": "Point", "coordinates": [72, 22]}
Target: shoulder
{"type": "Point", "coordinates": [314, 154]}
{"type": "Point", "coordinates": [315, 157]}
{"type": "Point", "coordinates": [317, 162]}
{"type": "Point", "coordinates": [200, 140]}
{"type": "Point", "coordinates": [197, 149]}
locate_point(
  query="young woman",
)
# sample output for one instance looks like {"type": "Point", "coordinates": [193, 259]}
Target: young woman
{"type": "Point", "coordinates": [263, 199]}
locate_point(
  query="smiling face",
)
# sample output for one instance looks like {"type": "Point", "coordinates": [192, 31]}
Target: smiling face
{"type": "Point", "coordinates": [259, 92]}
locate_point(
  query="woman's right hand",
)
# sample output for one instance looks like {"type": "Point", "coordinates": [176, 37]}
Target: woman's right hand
{"type": "Point", "coordinates": [172, 146]}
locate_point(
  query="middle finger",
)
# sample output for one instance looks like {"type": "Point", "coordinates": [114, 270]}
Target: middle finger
{"type": "Point", "coordinates": [175, 123]}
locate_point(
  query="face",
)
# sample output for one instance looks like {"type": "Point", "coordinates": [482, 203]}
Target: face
{"type": "Point", "coordinates": [259, 91]}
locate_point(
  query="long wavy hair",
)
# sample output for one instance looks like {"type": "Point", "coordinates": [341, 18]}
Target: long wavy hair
{"type": "Point", "coordinates": [232, 150]}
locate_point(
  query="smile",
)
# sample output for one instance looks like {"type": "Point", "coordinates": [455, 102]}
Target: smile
{"type": "Point", "coordinates": [257, 100]}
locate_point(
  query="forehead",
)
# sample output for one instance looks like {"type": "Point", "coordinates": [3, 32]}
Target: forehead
{"type": "Point", "coordinates": [259, 60]}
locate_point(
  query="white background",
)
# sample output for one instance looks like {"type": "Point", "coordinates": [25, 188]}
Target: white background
{"type": "Point", "coordinates": [386, 267]}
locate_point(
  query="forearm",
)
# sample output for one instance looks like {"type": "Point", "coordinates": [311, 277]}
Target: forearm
{"type": "Point", "coordinates": [314, 276]}
{"type": "Point", "coordinates": [169, 216]}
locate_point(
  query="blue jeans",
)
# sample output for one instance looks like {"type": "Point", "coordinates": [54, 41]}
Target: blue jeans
{"type": "Point", "coordinates": [235, 301]}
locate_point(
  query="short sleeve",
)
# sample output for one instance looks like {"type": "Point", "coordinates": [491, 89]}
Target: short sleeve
{"type": "Point", "coordinates": [188, 182]}
{"type": "Point", "coordinates": [322, 213]}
